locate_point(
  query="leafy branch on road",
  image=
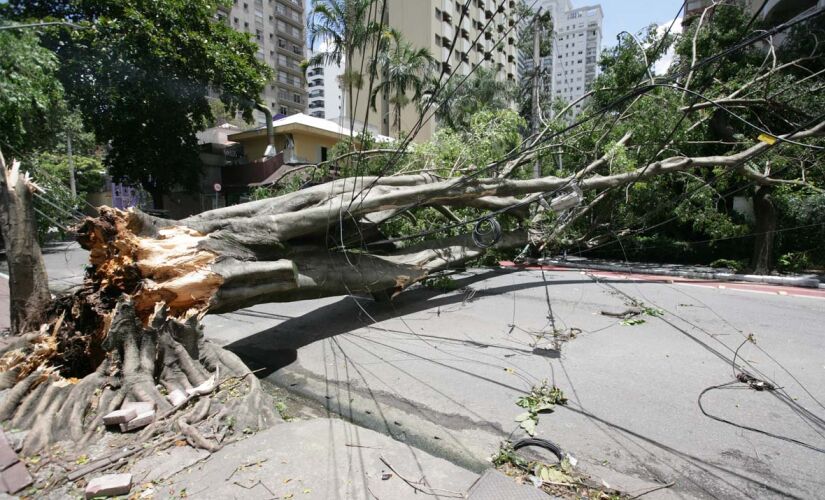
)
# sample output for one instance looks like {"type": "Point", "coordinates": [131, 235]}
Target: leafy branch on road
{"type": "Point", "coordinates": [542, 398]}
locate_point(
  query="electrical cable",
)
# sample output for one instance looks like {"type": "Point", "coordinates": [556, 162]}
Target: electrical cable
{"type": "Point", "coordinates": [687, 194]}
{"type": "Point", "coordinates": [541, 443]}
{"type": "Point", "coordinates": [636, 92]}
{"type": "Point", "coordinates": [486, 237]}
{"type": "Point", "coordinates": [747, 427]}
{"type": "Point", "coordinates": [740, 377]}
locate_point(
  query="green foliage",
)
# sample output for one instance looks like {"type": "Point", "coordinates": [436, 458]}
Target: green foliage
{"type": "Point", "coordinates": [542, 398]}
{"type": "Point", "coordinates": [290, 184]}
{"type": "Point", "coordinates": [506, 455]}
{"type": "Point", "coordinates": [794, 262]}
{"type": "Point", "coordinates": [140, 73]}
{"type": "Point", "coordinates": [90, 174]}
{"type": "Point", "coordinates": [458, 99]}
{"type": "Point", "coordinates": [632, 322]}
{"type": "Point", "coordinates": [343, 26]}
{"type": "Point", "coordinates": [735, 265]}
{"type": "Point", "coordinates": [442, 283]}
{"type": "Point", "coordinates": [403, 69]}
{"type": "Point", "coordinates": [489, 135]}
{"type": "Point", "coordinates": [31, 97]}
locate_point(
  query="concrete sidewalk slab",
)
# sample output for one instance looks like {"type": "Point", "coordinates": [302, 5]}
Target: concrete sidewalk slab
{"type": "Point", "coordinates": [319, 459]}
{"type": "Point", "coordinates": [442, 371]}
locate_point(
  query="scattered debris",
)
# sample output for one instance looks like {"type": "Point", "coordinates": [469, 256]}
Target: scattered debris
{"type": "Point", "coordinates": [559, 480]}
{"type": "Point", "coordinates": [120, 416]}
{"type": "Point", "coordinates": [13, 473]}
{"type": "Point", "coordinates": [109, 485]}
{"type": "Point", "coordinates": [627, 313]}
{"type": "Point", "coordinates": [632, 322]}
{"type": "Point", "coordinates": [142, 420]}
{"type": "Point", "coordinates": [419, 486]}
{"type": "Point", "coordinates": [176, 397]}
{"type": "Point", "coordinates": [542, 398]}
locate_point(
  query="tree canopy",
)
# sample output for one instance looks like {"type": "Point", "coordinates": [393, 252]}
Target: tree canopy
{"type": "Point", "coordinates": [140, 73]}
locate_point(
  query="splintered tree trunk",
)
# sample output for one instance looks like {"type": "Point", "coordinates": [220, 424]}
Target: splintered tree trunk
{"type": "Point", "coordinates": [132, 331]}
{"type": "Point", "coordinates": [28, 284]}
{"type": "Point", "coordinates": [765, 215]}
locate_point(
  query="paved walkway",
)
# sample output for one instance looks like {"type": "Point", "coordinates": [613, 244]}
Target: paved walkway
{"type": "Point", "coordinates": [314, 459]}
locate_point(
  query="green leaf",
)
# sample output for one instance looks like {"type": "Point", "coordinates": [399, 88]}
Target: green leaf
{"type": "Point", "coordinates": [529, 426]}
{"type": "Point", "coordinates": [524, 416]}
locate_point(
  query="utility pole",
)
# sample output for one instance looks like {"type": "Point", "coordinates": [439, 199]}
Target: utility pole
{"type": "Point", "coordinates": [72, 185]}
{"type": "Point", "coordinates": [536, 82]}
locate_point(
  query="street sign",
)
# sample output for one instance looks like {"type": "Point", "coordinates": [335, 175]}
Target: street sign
{"type": "Point", "coordinates": [217, 187]}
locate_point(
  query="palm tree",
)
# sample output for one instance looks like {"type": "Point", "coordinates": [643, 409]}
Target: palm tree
{"type": "Point", "coordinates": [404, 69]}
{"type": "Point", "coordinates": [344, 26]}
{"type": "Point", "coordinates": [458, 100]}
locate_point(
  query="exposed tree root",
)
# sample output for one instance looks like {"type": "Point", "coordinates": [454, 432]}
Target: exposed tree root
{"type": "Point", "coordinates": [142, 363]}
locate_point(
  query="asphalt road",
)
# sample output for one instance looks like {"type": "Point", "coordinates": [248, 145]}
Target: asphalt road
{"type": "Point", "coordinates": [442, 371]}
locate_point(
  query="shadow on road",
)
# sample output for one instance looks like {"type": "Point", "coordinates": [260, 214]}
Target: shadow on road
{"type": "Point", "coordinates": [274, 348]}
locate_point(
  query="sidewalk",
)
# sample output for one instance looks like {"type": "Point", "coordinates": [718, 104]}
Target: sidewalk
{"type": "Point", "coordinates": [313, 459]}
{"type": "Point", "coordinates": [679, 270]}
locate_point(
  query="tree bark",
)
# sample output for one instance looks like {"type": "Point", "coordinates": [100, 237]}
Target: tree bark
{"type": "Point", "coordinates": [764, 212]}
{"type": "Point", "coordinates": [132, 332]}
{"type": "Point", "coordinates": [28, 283]}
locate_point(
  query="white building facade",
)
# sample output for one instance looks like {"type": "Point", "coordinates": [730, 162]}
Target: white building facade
{"type": "Point", "coordinates": [324, 94]}
{"type": "Point", "coordinates": [577, 42]}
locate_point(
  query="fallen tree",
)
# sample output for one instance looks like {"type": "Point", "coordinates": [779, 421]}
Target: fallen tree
{"type": "Point", "coordinates": [132, 331]}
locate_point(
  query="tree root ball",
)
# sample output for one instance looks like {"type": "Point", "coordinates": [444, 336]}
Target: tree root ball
{"type": "Point", "coordinates": [60, 382]}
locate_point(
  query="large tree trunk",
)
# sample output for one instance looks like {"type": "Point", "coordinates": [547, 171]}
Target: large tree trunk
{"type": "Point", "coordinates": [131, 332]}
{"type": "Point", "coordinates": [764, 212]}
{"type": "Point", "coordinates": [28, 283]}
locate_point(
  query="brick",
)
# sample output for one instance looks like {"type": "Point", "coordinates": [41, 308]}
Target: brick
{"type": "Point", "coordinates": [138, 406]}
{"type": "Point", "coordinates": [120, 416]}
{"type": "Point", "coordinates": [142, 420]}
{"type": "Point", "coordinates": [17, 477]}
{"type": "Point", "coordinates": [7, 455]}
{"type": "Point", "coordinates": [109, 485]}
{"type": "Point", "coordinates": [176, 397]}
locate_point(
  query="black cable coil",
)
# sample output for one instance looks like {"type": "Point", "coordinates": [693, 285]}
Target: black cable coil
{"type": "Point", "coordinates": [487, 232]}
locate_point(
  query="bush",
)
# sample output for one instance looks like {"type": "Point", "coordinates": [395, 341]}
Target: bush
{"type": "Point", "coordinates": [794, 262]}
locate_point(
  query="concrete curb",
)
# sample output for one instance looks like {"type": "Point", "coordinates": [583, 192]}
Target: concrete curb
{"type": "Point", "coordinates": [800, 281]}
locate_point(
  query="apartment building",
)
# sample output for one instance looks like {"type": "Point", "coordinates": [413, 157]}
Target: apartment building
{"type": "Point", "coordinates": [572, 66]}
{"type": "Point", "coordinates": [277, 26]}
{"type": "Point", "coordinates": [773, 13]}
{"type": "Point", "coordinates": [485, 36]}
{"type": "Point", "coordinates": [326, 99]}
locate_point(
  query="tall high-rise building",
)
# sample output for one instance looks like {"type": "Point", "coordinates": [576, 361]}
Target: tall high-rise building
{"type": "Point", "coordinates": [277, 26]}
{"type": "Point", "coordinates": [572, 66]}
{"type": "Point", "coordinates": [326, 99]}
{"type": "Point", "coordinates": [773, 12]}
{"type": "Point", "coordinates": [485, 36]}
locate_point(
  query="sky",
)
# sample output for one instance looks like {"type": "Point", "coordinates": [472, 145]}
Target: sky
{"type": "Point", "coordinates": [632, 15]}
